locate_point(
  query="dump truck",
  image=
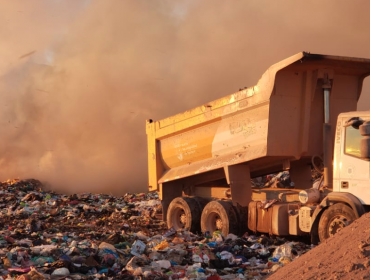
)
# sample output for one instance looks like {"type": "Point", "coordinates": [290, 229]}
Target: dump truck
{"type": "Point", "coordinates": [300, 116]}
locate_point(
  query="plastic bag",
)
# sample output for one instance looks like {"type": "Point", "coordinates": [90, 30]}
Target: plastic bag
{"type": "Point", "coordinates": [282, 251]}
{"type": "Point", "coordinates": [201, 254]}
{"type": "Point", "coordinates": [163, 245]}
{"type": "Point", "coordinates": [225, 255]}
{"type": "Point", "coordinates": [142, 236]}
{"type": "Point", "coordinates": [169, 232]}
{"type": "Point", "coordinates": [105, 245]}
{"type": "Point", "coordinates": [164, 264]}
{"type": "Point", "coordinates": [217, 236]}
{"type": "Point", "coordinates": [61, 271]}
{"type": "Point", "coordinates": [138, 248]}
{"type": "Point", "coordinates": [231, 237]}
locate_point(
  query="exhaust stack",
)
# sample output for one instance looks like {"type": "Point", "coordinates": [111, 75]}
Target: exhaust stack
{"type": "Point", "coordinates": [327, 141]}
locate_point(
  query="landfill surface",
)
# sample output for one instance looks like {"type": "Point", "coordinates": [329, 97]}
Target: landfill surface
{"type": "Point", "coordinates": [45, 235]}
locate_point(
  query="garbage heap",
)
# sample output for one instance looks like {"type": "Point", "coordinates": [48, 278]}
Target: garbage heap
{"type": "Point", "coordinates": [282, 180]}
{"type": "Point", "coordinates": [45, 235]}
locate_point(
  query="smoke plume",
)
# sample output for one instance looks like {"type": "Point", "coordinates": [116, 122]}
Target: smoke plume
{"type": "Point", "coordinates": [78, 79]}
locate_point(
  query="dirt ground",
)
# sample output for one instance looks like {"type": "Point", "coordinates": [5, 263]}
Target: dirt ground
{"type": "Point", "coordinates": [343, 256]}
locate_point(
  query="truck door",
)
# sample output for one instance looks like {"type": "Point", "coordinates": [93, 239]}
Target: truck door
{"type": "Point", "coordinates": [354, 171]}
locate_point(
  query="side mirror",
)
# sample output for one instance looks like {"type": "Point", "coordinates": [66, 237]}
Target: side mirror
{"type": "Point", "coordinates": [365, 141]}
{"type": "Point", "coordinates": [355, 122]}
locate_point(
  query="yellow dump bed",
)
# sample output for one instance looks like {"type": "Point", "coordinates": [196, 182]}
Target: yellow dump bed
{"type": "Point", "coordinates": [275, 123]}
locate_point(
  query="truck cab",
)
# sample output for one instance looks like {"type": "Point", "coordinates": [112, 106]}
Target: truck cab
{"type": "Point", "coordinates": [351, 171]}
{"type": "Point", "coordinates": [322, 211]}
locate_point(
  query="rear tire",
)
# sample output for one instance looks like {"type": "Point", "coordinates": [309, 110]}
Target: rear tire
{"type": "Point", "coordinates": [184, 213]}
{"type": "Point", "coordinates": [219, 215]}
{"type": "Point", "coordinates": [334, 219]}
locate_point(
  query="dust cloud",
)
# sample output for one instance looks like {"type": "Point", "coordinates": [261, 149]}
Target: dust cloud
{"type": "Point", "coordinates": [78, 79]}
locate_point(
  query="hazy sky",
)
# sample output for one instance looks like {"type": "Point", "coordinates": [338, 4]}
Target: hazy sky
{"type": "Point", "coordinates": [78, 79]}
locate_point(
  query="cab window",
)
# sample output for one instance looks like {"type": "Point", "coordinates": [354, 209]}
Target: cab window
{"type": "Point", "coordinates": [352, 142]}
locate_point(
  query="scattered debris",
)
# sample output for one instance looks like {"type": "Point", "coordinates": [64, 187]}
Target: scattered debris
{"type": "Point", "coordinates": [97, 236]}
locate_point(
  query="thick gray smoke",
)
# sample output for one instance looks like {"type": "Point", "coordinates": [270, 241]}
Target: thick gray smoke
{"type": "Point", "coordinates": [79, 78]}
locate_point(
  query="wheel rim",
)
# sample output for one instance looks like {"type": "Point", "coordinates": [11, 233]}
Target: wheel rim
{"type": "Point", "coordinates": [214, 222]}
{"type": "Point", "coordinates": [337, 224]}
{"type": "Point", "coordinates": [179, 218]}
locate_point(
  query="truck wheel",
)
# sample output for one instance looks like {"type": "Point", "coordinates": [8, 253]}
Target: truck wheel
{"type": "Point", "coordinates": [334, 219]}
{"type": "Point", "coordinates": [219, 215]}
{"type": "Point", "coordinates": [184, 213]}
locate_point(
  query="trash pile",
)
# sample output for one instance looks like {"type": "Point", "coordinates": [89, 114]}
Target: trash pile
{"type": "Point", "coordinates": [45, 235]}
{"type": "Point", "coordinates": [282, 180]}
{"type": "Point", "coordinates": [278, 180]}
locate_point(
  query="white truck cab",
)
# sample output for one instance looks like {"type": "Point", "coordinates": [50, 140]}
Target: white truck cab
{"type": "Point", "coordinates": [351, 171]}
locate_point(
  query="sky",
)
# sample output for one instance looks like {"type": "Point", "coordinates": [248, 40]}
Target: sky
{"type": "Point", "coordinates": [78, 79]}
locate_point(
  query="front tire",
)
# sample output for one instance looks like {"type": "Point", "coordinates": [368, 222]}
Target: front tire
{"type": "Point", "coordinates": [219, 215]}
{"type": "Point", "coordinates": [334, 219]}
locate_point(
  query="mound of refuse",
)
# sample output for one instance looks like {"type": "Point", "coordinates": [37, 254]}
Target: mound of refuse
{"type": "Point", "coordinates": [45, 235]}
{"type": "Point", "coordinates": [346, 255]}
